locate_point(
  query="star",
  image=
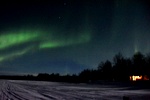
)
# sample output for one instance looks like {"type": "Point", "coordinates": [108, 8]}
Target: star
{"type": "Point", "coordinates": [65, 3]}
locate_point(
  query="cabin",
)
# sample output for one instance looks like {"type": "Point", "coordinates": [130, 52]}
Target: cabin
{"type": "Point", "coordinates": [139, 78]}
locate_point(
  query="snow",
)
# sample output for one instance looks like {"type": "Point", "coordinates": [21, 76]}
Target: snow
{"type": "Point", "coordinates": [38, 90]}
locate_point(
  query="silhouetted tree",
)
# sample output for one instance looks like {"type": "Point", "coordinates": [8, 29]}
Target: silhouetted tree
{"type": "Point", "coordinates": [105, 69]}
{"type": "Point", "coordinates": [85, 75]}
{"type": "Point", "coordinates": [139, 64]}
{"type": "Point", "coordinates": [121, 68]}
{"type": "Point", "coordinates": [147, 67]}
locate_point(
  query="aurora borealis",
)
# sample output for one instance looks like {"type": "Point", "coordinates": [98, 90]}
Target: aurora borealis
{"type": "Point", "coordinates": [39, 40]}
{"type": "Point", "coordinates": [66, 36]}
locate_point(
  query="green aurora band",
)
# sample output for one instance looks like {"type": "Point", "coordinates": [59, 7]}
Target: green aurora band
{"type": "Point", "coordinates": [45, 41]}
{"type": "Point", "coordinates": [14, 54]}
{"type": "Point", "coordinates": [12, 39]}
{"type": "Point", "coordinates": [82, 38]}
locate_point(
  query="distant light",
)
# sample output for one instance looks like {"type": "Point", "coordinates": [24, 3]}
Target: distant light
{"type": "Point", "coordinates": [135, 78]}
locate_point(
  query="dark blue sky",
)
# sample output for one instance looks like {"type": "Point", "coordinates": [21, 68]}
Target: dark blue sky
{"type": "Point", "coordinates": [67, 36]}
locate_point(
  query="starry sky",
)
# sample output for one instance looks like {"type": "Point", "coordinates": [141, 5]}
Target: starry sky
{"type": "Point", "coordinates": [67, 36]}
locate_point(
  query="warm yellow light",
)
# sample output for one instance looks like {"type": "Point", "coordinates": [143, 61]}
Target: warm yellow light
{"type": "Point", "coordinates": [135, 78]}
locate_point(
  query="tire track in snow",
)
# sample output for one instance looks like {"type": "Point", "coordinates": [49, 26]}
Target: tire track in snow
{"type": "Point", "coordinates": [35, 90]}
{"type": "Point", "coordinates": [7, 92]}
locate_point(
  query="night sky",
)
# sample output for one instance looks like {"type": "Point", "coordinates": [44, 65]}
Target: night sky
{"type": "Point", "coordinates": [67, 36]}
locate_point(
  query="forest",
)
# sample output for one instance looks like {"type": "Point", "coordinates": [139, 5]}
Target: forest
{"type": "Point", "coordinates": [121, 69]}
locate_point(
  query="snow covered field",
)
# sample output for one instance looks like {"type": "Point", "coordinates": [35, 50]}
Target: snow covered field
{"type": "Point", "coordinates": [36, 90]}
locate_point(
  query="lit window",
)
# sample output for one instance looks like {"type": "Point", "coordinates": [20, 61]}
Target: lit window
{"type": "Point", "coordinates": [135, 78]}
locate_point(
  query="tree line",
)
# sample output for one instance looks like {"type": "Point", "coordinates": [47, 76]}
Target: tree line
{"type": "Point", "coordinates": [119, 69]}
